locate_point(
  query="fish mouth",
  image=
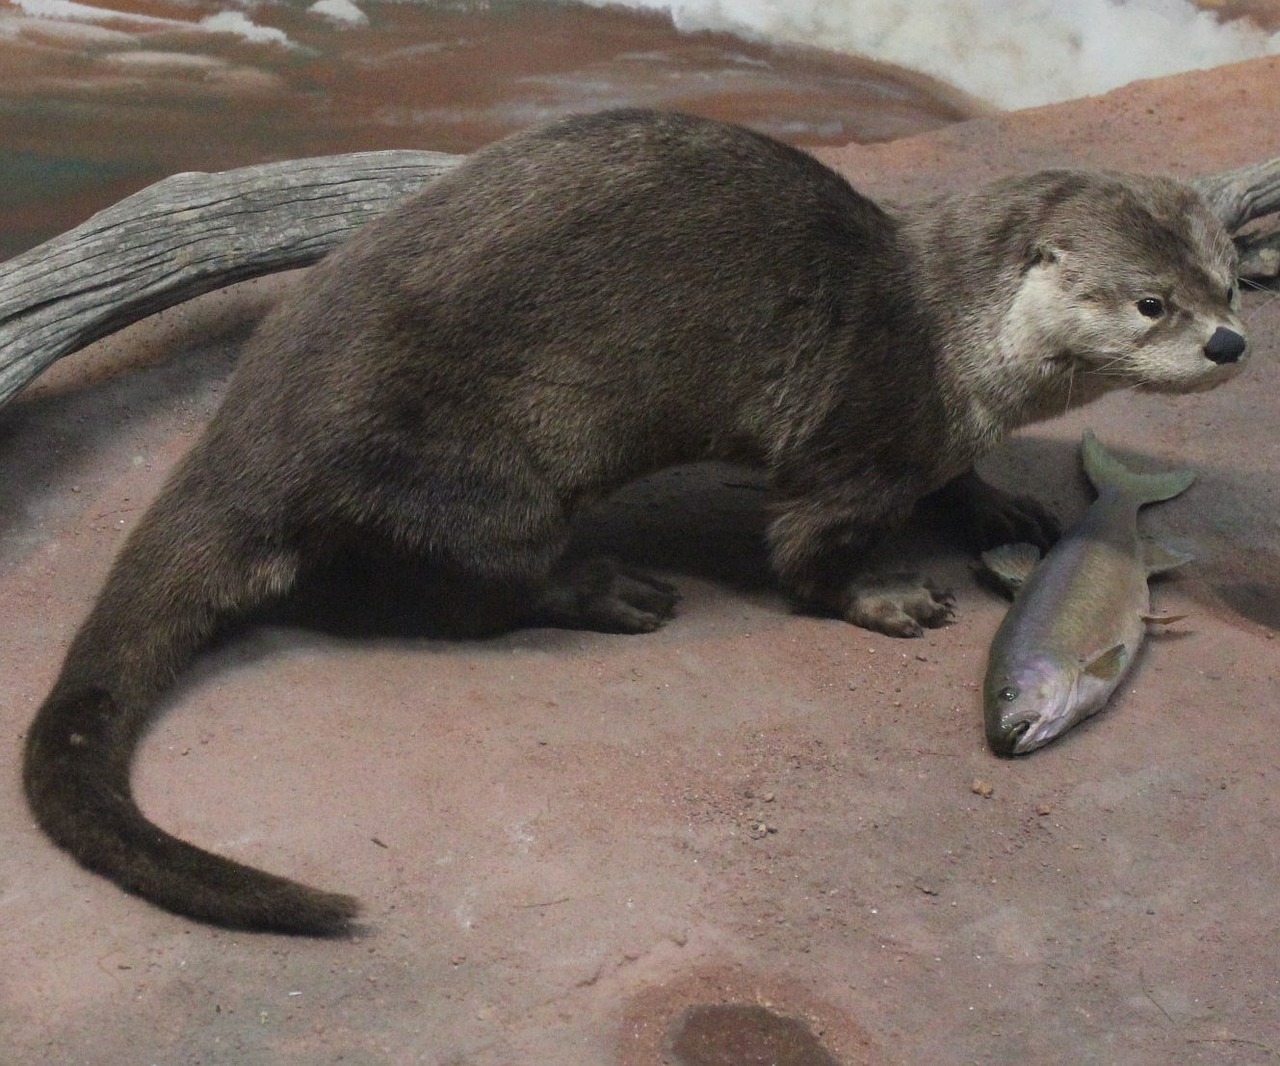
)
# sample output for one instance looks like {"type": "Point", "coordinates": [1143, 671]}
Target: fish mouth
{"type": "Point", "coordinates": [1007, 740]}
{"type": "Point", "coordinates": [1027, 737]}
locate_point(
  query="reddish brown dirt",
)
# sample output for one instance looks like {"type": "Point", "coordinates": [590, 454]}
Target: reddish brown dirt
{"type": "Point", "coordinates": [564, 840]}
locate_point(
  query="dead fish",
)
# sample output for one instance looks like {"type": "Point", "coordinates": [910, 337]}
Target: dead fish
{"type": "Point", "coordinates": [1080, 616]}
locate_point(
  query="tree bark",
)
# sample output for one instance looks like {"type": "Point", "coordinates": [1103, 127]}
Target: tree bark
{"type": "Point", "coordinates": [192, 233]}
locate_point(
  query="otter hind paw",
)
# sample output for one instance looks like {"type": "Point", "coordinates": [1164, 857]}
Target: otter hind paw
{"type": "Point", "coordinates": [900, 605]}
{"type": "Point", "coordinates": [603, 596]}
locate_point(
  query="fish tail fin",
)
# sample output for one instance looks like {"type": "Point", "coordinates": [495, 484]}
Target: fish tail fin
{"type": "Point", "coordinates": [1107, 473]}
{"type": "Point", "coordinates": [187, 567]}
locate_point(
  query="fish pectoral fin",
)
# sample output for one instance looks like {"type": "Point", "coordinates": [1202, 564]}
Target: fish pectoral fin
{"type": "Point", "coordinates": [1107, 665]}
{"type": "Point", "coordinates": [1163, 619]}
{"type": "Point", "coordinates": [1011, 564]}
{"type": "Point", "coordinates": [1157, 559]}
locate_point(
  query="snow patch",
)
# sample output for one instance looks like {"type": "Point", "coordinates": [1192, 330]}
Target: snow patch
{"type": "Point", "coordinates": [343, 11]}
{"type": "Point", "coordinates": [1012, 53]}
{"type": "Point", "coordinates": [242, 26]}
{"type": "Point", "coordinates": [233, 22]}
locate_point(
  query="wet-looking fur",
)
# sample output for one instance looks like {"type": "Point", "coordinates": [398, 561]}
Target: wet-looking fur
{"type": "Point", "coordinates": [570, 309]}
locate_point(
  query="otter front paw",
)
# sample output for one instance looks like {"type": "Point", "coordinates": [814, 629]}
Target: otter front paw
{"type": "Point", "coordinates": [1000, 518]}
{"type": "Point", "coordinates": [985, 516]}
{"type": "Point", "coordinates": [900, 605]}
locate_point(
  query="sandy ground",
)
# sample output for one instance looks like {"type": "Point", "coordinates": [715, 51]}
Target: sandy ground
{"type": "Point", "coordinates": [564, 840]}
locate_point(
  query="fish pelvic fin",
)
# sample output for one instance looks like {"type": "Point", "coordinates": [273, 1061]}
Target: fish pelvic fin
{"type": "Point", "coordinates": [1158, 559]}
{"type": "Point", "coordinates": [1011, 564]}
{"type": "Point", "coordinates": [1108, 665]}
{"type": "Point", "coordinates": [1163, 619]}
{"type": "Point", "coordinates": [1106, 472]}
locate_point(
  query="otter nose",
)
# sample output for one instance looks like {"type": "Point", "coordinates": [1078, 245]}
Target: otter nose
{"type": "Point", "coordinates": [1225, 346]}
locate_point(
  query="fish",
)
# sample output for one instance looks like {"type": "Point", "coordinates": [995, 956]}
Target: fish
{"type": "Point", "coordinates": [1080, 615]}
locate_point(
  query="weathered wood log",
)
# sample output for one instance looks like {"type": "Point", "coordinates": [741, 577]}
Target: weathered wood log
{"type": "Point", "coordinates": [192, 233]}
{"type": "Point", "coordinates": [1239, 196]}
{"type": "Point", "coordinates": [187, 235]}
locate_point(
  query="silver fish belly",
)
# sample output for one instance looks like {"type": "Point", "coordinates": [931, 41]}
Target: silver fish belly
{"type": "Point", "coordinates": [1080, 616]}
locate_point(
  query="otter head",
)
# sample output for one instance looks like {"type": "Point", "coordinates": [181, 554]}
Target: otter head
{"type": "Point", "coordinates": [1135, 280]}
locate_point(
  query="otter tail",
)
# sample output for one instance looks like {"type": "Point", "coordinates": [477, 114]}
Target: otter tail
{"type": "Point", "coordinates": [189, 566]}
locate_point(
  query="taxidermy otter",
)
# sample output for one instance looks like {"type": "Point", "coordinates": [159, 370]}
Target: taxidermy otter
{"type": "Point", "coordinates": [577, 306]}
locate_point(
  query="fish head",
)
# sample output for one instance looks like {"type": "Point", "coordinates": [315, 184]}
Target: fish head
{"type": "Point", "coordinates": [1028, 704]}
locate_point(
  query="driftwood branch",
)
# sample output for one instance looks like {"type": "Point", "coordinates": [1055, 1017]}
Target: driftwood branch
{"type": "Point", "coordinates": [193, 233]}
{"type": "Point", "coordinates": [1239, 196]}
{"type": "Point", "coordinates": [184, 236]}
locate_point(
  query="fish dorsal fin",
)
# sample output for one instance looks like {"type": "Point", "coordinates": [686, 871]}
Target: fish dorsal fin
{"type": "Point", "coordinates": [1011, 564]}
{"type": "Point", "coordinates": [1108, 665]}
{"type": "Point", "coordinates": [1157, 559]}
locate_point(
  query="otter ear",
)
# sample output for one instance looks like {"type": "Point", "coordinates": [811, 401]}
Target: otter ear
{"type": "Point", "coordinates": [1042, 253]}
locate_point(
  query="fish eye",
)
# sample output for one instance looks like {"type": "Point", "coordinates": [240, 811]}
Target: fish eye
{"type": "Point", "coordinates": [1150, 307]}
{"type": "Point", "coordinates": [1008, 694]}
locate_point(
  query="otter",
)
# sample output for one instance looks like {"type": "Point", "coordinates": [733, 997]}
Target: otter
{"type": "Point", "coordinates": [572, 308]}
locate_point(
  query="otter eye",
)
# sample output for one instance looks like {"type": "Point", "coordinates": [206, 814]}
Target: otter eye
{"type": "Point", "coordinates": [1150, 307]}
{"type": "Point", "coordinates": [1008, 694]}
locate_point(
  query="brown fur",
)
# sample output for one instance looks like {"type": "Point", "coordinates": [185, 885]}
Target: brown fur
{"type": "Point", "coordinates": [570, 309]}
